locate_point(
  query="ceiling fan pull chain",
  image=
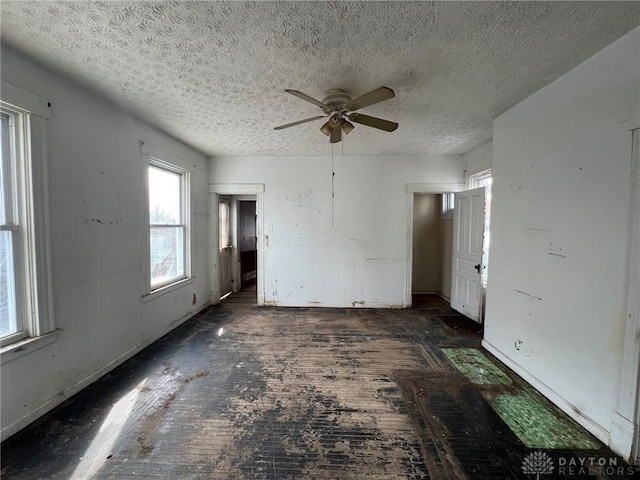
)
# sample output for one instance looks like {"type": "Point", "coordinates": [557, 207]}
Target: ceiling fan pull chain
{"type": "Point", "coordinates": [333, 192]}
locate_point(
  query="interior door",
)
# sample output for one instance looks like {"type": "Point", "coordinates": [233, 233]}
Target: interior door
{"type": "Point", "coordinates": [224, 260]}
{"type": "Point", "coordinates": [247, 241]}
{"type": "Point", "coordinates": [468, 226]}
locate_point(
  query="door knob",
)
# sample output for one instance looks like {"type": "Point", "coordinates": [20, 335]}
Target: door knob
{"type": "Point", "coordinates": [477, 267]}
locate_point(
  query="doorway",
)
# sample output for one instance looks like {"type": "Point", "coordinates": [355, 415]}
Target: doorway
{"type": "Point", "coordinates": [431, 245]}
{"type": "Point", "coordinates": [236, 193]}
{"type": "Point", "coordinates": [238, 248]}
{"type": "Point", "coordinates": [445, 232]}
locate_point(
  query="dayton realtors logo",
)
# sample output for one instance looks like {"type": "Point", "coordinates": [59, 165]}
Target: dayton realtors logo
{"type": "Point", "coordinates": [539, 463]}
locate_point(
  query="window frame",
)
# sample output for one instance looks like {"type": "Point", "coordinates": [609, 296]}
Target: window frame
{"type": "Point", "coordinates": [185, 211]}
{"type": "Point", "coordinates": [476, 179]}
{"type": "Point", "coordinates": [29, 222]}
{"type": "Point", "coordinates": [13, 153]}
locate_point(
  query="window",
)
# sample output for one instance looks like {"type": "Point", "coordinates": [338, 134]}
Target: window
{"type": "Point", "coordinates": [11, 327]}
{"type": "Point", "coordinates": [169, 226]}
{"type": "Point", "coordinates": [224, 225]}
{"type": "Point", "coordinates": [26, 307]}
{"type": "Point", "coordinates": [448, 200]}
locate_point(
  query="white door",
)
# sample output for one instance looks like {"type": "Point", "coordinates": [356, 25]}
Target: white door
{"type": "Point", "coordinates": [224, 259]}
{"type": "Point", "coordinates": [468, 225]}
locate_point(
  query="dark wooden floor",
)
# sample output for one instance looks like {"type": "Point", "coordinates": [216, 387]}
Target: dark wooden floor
{"type": "Point", "coordinates": [279, 393]}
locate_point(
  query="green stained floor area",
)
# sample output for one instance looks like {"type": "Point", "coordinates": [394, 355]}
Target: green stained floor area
{"type": "Point", "coordinates": [474, 365]}
{"type": "Point", "coordinates": [536, 422]}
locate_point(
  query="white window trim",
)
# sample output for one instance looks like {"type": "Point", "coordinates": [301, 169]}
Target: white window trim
{"type": "Point", "coordinates": [185, 224]}
{"type": "Point", "coordinates": [28, 345]}
{"type": "Point", "coordinates": [40, 325]}
{"type": "Point", "coordinates": [153, 156]}
{"type": "Point", "coordinates": [474, 180]}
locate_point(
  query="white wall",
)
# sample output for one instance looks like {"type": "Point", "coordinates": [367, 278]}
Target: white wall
{"type": "Point", "coordinates": [351, 254]}
{"type": "Point", "coordinates": [561, 184]}
{"type": "Point", "coordinates": [479, 159]}
{"type": "Point", "coordinates": [97, 191]}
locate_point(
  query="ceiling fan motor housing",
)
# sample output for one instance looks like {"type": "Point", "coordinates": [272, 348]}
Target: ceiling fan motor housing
{"type": "Point", "coordinates": [336, 100]}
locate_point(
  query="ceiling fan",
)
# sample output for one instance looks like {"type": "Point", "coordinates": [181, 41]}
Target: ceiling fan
{"type": "Point", "coordinates": [341, 110]}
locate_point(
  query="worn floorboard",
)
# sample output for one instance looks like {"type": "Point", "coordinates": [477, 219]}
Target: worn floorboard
{"type": "Point", "coordinates": [279, 393]}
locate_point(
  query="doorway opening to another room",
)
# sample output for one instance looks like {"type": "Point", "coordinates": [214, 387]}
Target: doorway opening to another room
{"type": "Point", "coordinates": [238, 248]}
{"type": "Point", "coordinates": [431, 245]}
{"type": "Point", "coordinates": [447, 252]}
{"type": "Point", "coordinates": [247, 244]}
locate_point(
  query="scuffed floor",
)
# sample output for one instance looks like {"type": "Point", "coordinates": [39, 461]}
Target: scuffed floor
{"type": "Point", "coordinates": [278, 393]}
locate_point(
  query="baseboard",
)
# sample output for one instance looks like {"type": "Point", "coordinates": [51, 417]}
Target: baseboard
{"type": "Point", "coordinates": [622, 430]}
{"type": "Point", "coordinates": [52, 403]}
{"type": "Point", "coordinates": [588, 423]}
{"type": "Point", "coordinates": [214, 297]}
{"type": "Point", "coordinates": [272, 303]}
{"type": "Point", "coordinates": [407, 301]}
{"type": "Point", "coordinates": [447, 299]}
{"type": "Point", "coordinates": [433, 293]}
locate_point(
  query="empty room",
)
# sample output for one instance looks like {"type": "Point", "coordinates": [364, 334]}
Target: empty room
{"type": "Point", "coordinates": [319, 240]}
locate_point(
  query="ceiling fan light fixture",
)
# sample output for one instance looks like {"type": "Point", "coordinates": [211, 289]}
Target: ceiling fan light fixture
{"type": "Point", "coordinates": [334, 120]}
{"type": "Point", "coordinates": [347, 127]}
{"type": "Point", "coordinates": [340, 108]}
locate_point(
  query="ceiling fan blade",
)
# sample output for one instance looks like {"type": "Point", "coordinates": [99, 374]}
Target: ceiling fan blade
{"type": "Point", "coordinates": [293, 124]}
{"type": "Point", "coordinates": [374, 122]}
{"type": "Point", "coordinates": [336, 135]}
{"type": "Point", "coordinates": [375, 96]}
{"type": "Point", "coordinates": [307, 98]}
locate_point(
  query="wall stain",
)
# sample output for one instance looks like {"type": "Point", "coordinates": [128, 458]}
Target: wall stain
{"type": "Point", "coordinates": [527, 294]}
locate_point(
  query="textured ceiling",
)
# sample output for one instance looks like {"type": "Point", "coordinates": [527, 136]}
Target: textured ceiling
{"type": "Point", "coordinates": [213, 74]}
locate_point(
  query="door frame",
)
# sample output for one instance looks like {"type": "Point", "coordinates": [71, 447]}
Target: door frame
{"type": "Point", "coordinates": [410, 190]}
{"type": "Point", "coordinates": [625, 420]}
{"type": "Point", "coordinates": [216, 189]}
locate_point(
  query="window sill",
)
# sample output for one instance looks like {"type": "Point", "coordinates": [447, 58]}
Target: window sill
{"type": "Point", "coordinates": [169, 288]}
{"type": "Point", "coordinates": [28, 345]}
